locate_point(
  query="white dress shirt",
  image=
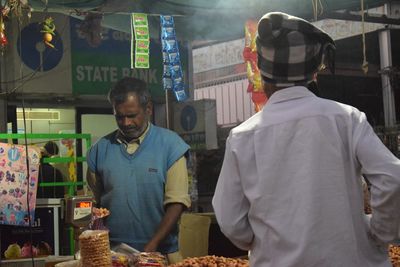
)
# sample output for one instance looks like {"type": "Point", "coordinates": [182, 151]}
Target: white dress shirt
{"type": "Point", "coordinates": [290, 186]}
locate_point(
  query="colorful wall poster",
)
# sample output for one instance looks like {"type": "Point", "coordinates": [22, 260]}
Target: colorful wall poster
{"type": "Point", "coordinates": [16, 189]}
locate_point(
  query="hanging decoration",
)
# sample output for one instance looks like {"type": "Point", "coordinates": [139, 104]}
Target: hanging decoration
{"type": "Point", "coordinates": [17, 8]}
{"type": "Point", "coordinates": [3, 37]}
{"type": "Point", "coordinates": [172, 74]}
{"type": "Point", "coordinates": [253, 73]}
{"type": "Point", "coordinates": [48, 30]}
{"type": "Point", "coordinates": [140, 45]}
{"type": "Point", "coordinates": [68, 148]}
{"type": "Point", "coordinates": [91, 29]}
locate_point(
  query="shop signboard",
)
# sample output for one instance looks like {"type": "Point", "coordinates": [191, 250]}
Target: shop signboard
{"type": "Point", "coordinates": [341, 29]}
{"type": "Point", "coordinates": [37, 68]}
{"type": "Point", "coordinates": [96, 69]}
{"type": "Point", "coordinates": [196, 123]}
{"type": "Point", "coordinates": [218, 56]}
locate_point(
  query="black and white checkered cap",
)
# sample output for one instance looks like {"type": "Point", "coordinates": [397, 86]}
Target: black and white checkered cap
{"type": "Point", "coordinates": [291, 50]}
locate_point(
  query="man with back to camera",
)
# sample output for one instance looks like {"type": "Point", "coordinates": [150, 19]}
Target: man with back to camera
{"type": "Point", "coordinates": [290, 185]}
{"type": "Point", "coordinates": [139, 173]}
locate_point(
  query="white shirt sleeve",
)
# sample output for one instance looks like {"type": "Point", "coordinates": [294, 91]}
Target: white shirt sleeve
{"type": "Point", "coordinates": [382, 169]}
{"type": "Point", "coordinates": [231, 205]}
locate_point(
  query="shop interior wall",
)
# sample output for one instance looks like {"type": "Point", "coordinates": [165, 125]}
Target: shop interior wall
{"type": "Point", "coordinates": [395, 35]}
{"type": "Point", "coordinates": [97, 125]}
{"type": "Point", "coordinates": [65, 124]}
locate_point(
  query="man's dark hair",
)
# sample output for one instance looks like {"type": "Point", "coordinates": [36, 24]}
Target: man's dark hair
{"type": "Point", "coordinates": [127, 86]}
{"type": "Point", "coordinates": [51, 148]}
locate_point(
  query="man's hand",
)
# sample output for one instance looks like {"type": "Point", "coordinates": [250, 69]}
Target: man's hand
{"type": "Point", "coordinates": [151, 246]}
{"type": "Point", "coordinates": [172, 215]}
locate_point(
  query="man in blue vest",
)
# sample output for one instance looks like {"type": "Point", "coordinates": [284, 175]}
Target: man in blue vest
{"type": "Point", "coordinates": [138, 172]}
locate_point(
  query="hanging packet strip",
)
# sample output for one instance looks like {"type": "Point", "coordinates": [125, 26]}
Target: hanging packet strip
{"type": "Point", "coordinates": [172, 74]}
{"type": "Point", "coordinates": [140, 41]}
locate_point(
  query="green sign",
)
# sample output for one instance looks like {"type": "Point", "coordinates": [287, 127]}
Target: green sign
{"type": "Point", "coordinates": [96, 69]}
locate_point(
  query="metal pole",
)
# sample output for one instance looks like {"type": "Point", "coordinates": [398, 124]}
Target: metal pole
{"type": "Point", "coordinates": [3, 115]}
{"type": "Point", "coordinates": [166, 109]}
{"type": "Point", "coordinates": [3, 101]}
{"type": "Point", "coordinates": [387, 90]}
{"type": "Point", "coordinates": [190, 74]}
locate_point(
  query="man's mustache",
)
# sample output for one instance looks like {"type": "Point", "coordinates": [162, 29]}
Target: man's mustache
{"type": "Point", "coordinates": [129, 128]}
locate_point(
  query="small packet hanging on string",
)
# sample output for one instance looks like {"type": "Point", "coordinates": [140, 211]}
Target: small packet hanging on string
{"type": "Point", "coordinates": [176, 72]}
{"type": "Point", "coordinates": [140, 19]}
{"type": "Point", "coordinates": [169, 46]}
{"type": "Point", "coordinates": [167, 82]}
{"type": "Point", "coordinates": [168, 33]}
{"type": "Point", "coordinates": [142, 61]}
{"type": "Point", "coordinates": [174, 59]}
{"type": "Point", "coordinates": [142, 47]}
{"type": "Point", "coordinates": [167, 21]}
{"type": "Point", "coordinates": [142, 33]}
{"type": "Point", "coordinates": [180, 93]}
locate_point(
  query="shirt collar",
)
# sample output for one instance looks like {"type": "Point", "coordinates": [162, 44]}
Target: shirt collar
{"type": "Point", "coordinates": [289, 93]}
{"type": "Point", "coordinates": [120, 137]}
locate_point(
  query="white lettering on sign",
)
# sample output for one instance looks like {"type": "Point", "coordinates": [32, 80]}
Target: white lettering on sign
{"type": "Point", "coordinates": [88, 70]}
{"type": "Point", "coordinates": [80, 75]}
{"type": "Point", "coordinates": [340, 29]}
{"type": "Point", "coordinates": [110, 74]}
{"type": "Point", "coordinates": [148, 75]}
{"type": "Point", "coordinates": [218, 56]}
{"type": "Point", "coordinates": [80, 213]}
{"type": "Point", "coordinates": [96, 73]}
{"type": "Point", "coordinates": [113, 74]}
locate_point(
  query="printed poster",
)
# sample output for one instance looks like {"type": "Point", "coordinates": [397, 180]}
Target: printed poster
{"type": "Point", "coordinates": [15, 187]}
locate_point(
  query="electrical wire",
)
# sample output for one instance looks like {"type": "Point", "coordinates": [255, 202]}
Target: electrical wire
{"type": "Point", "coordinates": [83, 13]}
{"type": "Point", "coordinates": [28, 177]}
{"type": "Point", "coordinates": [26, 157]}
{"type": "Point", "coordinates": [318, 8]}
{"type": "Point", "coordinates": [364, 46]}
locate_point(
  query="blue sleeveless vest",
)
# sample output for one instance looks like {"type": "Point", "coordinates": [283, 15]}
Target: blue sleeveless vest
{"type": "Point", "coordinates": [134, 185]}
